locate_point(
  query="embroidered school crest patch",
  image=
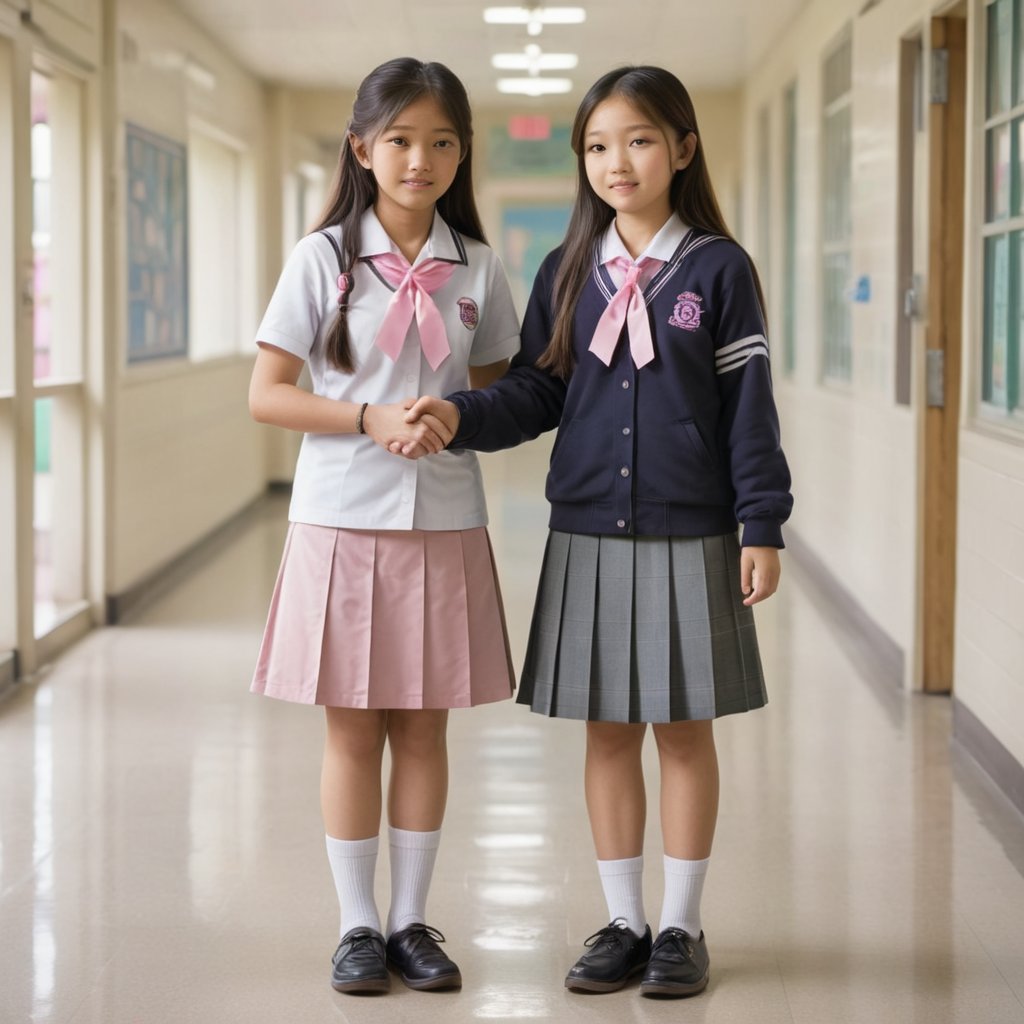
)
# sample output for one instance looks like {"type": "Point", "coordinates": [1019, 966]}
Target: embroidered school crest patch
{"type": "Point", "coordinates": [469, 313]}
{"type": "Point", "coordinates": [687, 312]}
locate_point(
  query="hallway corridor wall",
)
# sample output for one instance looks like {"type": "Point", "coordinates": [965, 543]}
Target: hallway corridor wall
{"type": "Point", "coordinates": [857, 454]}
{"type": "Point", "coordinates": [186, 455]}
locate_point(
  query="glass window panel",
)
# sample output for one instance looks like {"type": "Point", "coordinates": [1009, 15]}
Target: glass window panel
{"type": "Point", "coordinates": [57, 509]}
{"type": "Point", "coordinates": [789, 253]}
{"type": "Point", "coordinates": [837, 222]}
{"type": "Point", "coordinates": [42, 172]}
{"type": "Point", "coordinates": [1015, 364]}
{"type": "Point", "coordinates": [58, 195]}
{"type": "Point", "coordinates": [837, 315]}
{"type": "Point", "coordinates": [836, 213]}
{"type": "Point", "coordinates": [764, 213]}
{"type": "Point", "coordinates": [46, 612]}
{"type": "Point", "coordinates": [1017, 154]}
{"type": "Point", "coordinates": [997, 319]}
{"type": "Point", "coordinates": [1018, 55]}
{"type": "Point", "coordinates": [997, 176]}
{"type": "Point", "coordinates": [1000, 48]}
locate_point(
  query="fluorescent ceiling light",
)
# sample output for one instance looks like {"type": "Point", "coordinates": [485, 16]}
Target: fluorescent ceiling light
{"type": "Point", "coordinates": [533, 61]}
{"type": "Point", "coordinates": [534, 86]}
{"type": "Point", "coordinates": [534, 18]}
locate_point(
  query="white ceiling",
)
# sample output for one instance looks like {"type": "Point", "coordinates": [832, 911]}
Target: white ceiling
{"type": "Point", "coordinates": [710, 44]}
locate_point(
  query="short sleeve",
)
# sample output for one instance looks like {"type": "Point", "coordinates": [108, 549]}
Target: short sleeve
{"type": "Point", "coordinates": [293, 317]}
{"type": "Point", "coordinates": [497, 335]}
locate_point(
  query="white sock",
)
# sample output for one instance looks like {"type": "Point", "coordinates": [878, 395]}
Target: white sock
{"type": "Point", "coordinates": [622, 881]}
{"type": "Point", "coordinates": [684, 883]}
{"type": "Point", "coordinates": [353, 865]}
{"type": "Point", "coordinates": [412, 866]}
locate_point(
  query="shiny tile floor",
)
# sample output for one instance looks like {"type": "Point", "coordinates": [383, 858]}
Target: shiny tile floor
{"type": "Point", "coordinates": [162, 853]}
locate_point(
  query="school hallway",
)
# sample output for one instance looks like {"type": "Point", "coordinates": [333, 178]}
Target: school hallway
{"type": "Point", "coordinates": [163, 856]}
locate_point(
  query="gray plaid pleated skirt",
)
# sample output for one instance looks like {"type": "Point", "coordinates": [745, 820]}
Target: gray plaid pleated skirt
{"type": "Point", "coordinates": [641, 629]}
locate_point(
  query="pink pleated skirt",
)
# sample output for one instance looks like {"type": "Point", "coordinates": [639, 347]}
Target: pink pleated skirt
{"type": "Point", "coordinates": [386, 619]}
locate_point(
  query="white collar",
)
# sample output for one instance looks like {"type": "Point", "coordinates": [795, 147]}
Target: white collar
{"type": "Point", "coordinates": [442, 244]}
{"type": "Point", "coordinates": [661, 247]}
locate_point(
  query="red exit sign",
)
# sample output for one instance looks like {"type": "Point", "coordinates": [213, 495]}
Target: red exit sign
{"type": "Point", "coordinates": [529, 126]}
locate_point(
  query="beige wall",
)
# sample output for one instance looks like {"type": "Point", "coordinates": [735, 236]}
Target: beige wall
{"type": "Point", "coordinates": [856, 456]}
{"type": "Point", "coordinates": [185, 454]}
{"type": "Point", "coordinates": [853, 451]}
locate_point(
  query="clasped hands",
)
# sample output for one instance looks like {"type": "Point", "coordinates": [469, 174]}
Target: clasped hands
{"type": "Point", "coordinates": [424, 426]}
{"type": "Point", "coordinates": [414, 427]}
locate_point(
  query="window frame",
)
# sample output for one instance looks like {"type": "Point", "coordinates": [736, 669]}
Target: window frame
{"type": "Point", "coordinates": [1004, 407]}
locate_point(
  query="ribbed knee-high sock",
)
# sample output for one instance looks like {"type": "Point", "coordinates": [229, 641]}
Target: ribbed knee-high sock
{"type": "Point", "coordinates": [684, 885]}
{"type": "Point", "coordinates": [412, 867]}
{"type": "Point", "coordinates": [353, 865]}
{"type": "Point", "coordinates": [622, 881]}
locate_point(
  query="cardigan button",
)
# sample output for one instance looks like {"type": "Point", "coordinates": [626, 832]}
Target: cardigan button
{"type": "Point", "coordinates": [624, 471]}
{"type": "Point", "coordinates": [625, 431]}
{"type": "Point", "coordinates": [625, 384]}
{"type": "Point", "coordinates": [621, 524]}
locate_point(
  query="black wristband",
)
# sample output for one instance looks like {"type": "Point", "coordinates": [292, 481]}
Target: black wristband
{"type": "Point", "coordinates": [360, 429]}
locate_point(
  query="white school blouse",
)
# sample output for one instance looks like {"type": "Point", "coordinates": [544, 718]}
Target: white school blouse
{"type": "Point", "coordinates": [346, 480]}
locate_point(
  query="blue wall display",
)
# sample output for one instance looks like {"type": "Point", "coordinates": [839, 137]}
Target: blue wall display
{"type": "Point", "coordinates": [157, 246]}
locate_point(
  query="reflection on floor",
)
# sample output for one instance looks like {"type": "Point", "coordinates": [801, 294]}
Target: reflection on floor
{"type": "Point", "coordinates": [162, 853]}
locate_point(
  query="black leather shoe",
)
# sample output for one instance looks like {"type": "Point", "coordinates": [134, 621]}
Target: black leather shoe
{"type": "Point", "coordinates": [359, 963]}
{"type": "Point", "coordinates": [679, 965]}
{"type": "Point", "coordinates": [422, 964]}
{"type": "Point", "coordinates": [614, 955]}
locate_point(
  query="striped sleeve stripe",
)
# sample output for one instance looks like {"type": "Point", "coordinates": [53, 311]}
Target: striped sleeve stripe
{"type": "Point", "coordinates": [736, 353]}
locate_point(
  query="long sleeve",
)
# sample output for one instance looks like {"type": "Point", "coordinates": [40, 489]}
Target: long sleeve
{"type": "Point", "coordinates": [749, 420]}
{"type": "Point", "coordinates": [527, 401]}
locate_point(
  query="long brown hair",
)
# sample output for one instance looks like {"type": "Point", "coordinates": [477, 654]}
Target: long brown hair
{"type": "Point", "coordinates": [383, 94]}
{"type": "Point", "coordinates": [661, 97]}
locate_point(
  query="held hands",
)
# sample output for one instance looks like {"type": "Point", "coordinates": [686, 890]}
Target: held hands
{"type": "Point", "coordinates": [429, 424]}
{"type": "Point", "coordinates": [389, 427]}
{"type": "Point", "coordinates": [759, 573]}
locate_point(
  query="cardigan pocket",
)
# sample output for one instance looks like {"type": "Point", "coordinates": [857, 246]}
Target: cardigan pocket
{"type": "Point", "coordinates": [579, 468]}
{"type": "Point", "coordinates": [678, 466]}
{"type": "Point", "coordinates": [699, 444]}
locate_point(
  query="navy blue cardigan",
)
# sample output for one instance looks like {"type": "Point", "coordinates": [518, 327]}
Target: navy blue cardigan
{"type": "Point", "coordinates": [686, 446]}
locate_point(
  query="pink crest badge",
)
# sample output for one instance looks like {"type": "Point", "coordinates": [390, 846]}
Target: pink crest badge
{"type": "Point", "coordinates": [688, 311]}
{"type": "Point", "coordinates": [469, 313]}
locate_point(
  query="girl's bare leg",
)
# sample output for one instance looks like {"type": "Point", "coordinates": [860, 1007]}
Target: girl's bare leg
{"type": "Point", "coordinates": [614, 780]}
{"type": "Point", "coordinates": [418, 791]}
{"type": "Point", "coordinates": [350, 786]}
{"type": "Point", "coordinates": [689, 788]}
{"type": "Point", "coordinates": [350, 799]}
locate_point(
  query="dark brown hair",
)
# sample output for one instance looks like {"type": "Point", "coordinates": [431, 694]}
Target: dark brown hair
{"type": "Point", "coordinates": [660, 96]}
{"type": "Point", "coordinates": [383, 94]}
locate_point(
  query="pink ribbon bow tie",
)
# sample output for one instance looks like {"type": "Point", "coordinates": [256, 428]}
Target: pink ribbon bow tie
{"type": "Point", "coordinates": [413, 287]}
{"type": "Point", "coordinates": [627, 307]}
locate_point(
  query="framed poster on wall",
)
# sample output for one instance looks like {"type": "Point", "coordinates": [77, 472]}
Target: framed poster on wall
{"type": "Point", "coordinates": [529, 231]}
{"type": "Point", "coordinates": [157, 246]}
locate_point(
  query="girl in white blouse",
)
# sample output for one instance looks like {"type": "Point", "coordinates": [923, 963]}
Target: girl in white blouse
{"type": "Point", "coordinates": [386, 608]}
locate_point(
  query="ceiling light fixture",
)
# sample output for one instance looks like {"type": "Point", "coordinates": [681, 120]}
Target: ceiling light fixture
{"type": "Point", "coordinates": [534, 61]}
{"type": "Point", "coordinates": [534, 86]}
{"type": "Point", "coordinates": [534, 18]}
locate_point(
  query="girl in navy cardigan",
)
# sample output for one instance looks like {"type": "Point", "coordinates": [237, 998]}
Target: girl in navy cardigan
{"type": "Point", "coordinates": [645, 343]}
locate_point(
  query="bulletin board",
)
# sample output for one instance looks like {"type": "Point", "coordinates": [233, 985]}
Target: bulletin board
{"type": "Point", "coordinates": [157, 246]}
